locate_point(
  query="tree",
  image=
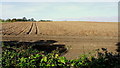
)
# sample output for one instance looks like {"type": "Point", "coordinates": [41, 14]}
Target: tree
{"type": "Point", "coordinates": [24, 19]}
{"type": "Point", "coordinates": [13, 20]}
{"type": "Point", "coordinates": [19, 19]}
{"type": "Point", "coordinates": [29, 20]}
{"type": "Point", "coordinates": [8, 20]}
{"type": "Point", "coordinates": [32, 19]}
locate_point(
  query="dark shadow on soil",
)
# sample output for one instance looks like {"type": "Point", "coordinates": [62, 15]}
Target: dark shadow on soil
{"type": "Point", "coordinates": [41, 45]}
{"type": "Point", "coordinates": [118, 47]}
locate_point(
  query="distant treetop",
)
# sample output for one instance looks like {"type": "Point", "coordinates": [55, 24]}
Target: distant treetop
{"type": "Point", "coordinates": [24, 19]}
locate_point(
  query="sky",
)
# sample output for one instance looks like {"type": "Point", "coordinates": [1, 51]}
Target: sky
{"type": "Point", "coordinates": [59, 0]}
{"type": "Point", "coordinates": [61, 11]}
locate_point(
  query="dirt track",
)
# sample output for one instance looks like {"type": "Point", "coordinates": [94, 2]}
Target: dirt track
{"type": "Point", "coordinates": [80, 37]}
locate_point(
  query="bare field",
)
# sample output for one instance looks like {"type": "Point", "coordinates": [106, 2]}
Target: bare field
{"type": "Point", "coordinates": [79, 37]}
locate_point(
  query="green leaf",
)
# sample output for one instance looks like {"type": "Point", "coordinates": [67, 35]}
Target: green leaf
{"type": "Point", "coordinates": [53, 65]}
{"type": "Point", "coordinates": [62, 60]}
{"type": "Point", "coordinates": [44, 59]}
{"type": "Point", "coordinates": [37, 55]}
{"type": "Point", "coordinates": [56, 55]}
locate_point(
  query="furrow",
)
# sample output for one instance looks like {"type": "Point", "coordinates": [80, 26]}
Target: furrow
{"type": "Point", "coordinates": [13, 30]}
{"type": "Point", "coordinates": [9, 31]}
{"type": "Point", "coordinates": [23, 30]}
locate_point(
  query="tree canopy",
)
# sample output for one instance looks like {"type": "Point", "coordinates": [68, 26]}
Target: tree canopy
{"type": "Point", "coordinates": [24, 19]}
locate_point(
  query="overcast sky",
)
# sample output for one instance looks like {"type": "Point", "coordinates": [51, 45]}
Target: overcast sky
{"type": "Point", "coordinates": [59, 0]}
{"type": "Point", "coordinates": [77, 11]}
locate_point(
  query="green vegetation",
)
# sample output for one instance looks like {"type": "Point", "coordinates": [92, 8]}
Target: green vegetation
{"type": "Point", "coordinates": [23, 56]}
{"type": "Point", "coordinates": [24, 19]}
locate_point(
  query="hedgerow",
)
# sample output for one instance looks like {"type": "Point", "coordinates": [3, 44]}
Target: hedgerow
{"type": "Point", "coordinates": [29, 57]}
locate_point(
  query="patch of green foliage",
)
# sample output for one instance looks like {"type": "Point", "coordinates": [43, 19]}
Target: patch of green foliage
{"type": "Point", "coordinates": [24, 19]}
{"type": "Point", "coordinates": [29, 57]}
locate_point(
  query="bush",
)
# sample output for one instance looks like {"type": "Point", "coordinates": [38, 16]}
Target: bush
{"type": "Point", "coordinates": [28, 57]}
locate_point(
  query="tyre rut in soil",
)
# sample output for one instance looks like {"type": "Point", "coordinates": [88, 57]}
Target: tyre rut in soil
{"type": "Point", "coordinates": [23, 30]}
{"type": "Point", "coordinates": [13, 30]}
{"type": "Point", "coordinates": [17, 30]}
{"type": "Point", "coordinates": [30, 29]}
{"type": "Point", "coordinates": [36, 29]}
{"type": "Point", "coordinates": [33, 30]}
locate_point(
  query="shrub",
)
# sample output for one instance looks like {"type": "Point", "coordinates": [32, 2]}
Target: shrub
{"type": "Point", "coordinates": [21, 57]}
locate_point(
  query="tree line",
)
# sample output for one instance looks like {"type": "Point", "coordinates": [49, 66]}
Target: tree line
{"type": "Point", "coordinates": [24, 19]}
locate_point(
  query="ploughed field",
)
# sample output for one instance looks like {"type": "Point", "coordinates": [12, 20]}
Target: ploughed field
{"type": "Point", "coordinates": [78, 37]}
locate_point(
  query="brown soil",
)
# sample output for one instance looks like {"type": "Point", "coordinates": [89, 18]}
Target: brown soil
{"type": "Point", "coordinates": [79, 37]}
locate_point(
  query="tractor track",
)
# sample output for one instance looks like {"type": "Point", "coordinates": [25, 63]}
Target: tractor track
{"type": "Point", "coordinates": [30, 29]}
{"type": "Point", "coordinates": [23, 30]}
{"type": "Point", "coordinates": [36, 29]}
{"type": "Point", "coordinates": [13, 30]}
{"type": "Point", "coordinates": [18, 30]}
{"type": "Point", "coordinates": [33, 30]}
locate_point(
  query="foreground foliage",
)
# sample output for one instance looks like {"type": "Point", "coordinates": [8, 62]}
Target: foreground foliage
{"type": "Point", "coordinates": [29, 57]}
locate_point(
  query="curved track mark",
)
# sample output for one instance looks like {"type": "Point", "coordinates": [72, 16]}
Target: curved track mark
{"type": "Point", "coordinates": [36, 29]}
{"type": "Point", "coordinates": [22, 30]}
{"type": "Point", "coordinates": [30, 29]}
